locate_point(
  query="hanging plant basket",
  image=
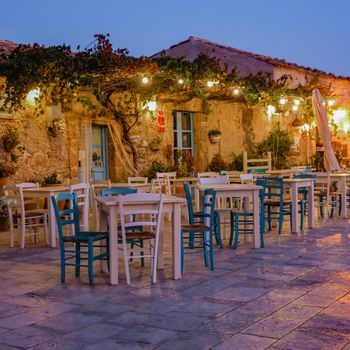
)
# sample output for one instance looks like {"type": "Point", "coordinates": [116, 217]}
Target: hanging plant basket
{"type": "Point", "coordinates": [135, 138]}
{"type": "Point", "coordinates": [214, 135]}
{"type": "Point", "coordinates": [215, 138]}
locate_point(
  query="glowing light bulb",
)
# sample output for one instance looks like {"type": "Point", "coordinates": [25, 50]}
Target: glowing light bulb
{"type": "Point", "coordinates": [145, 80]}
{"type": "Point", "coordinates": [236, 91]}
{"type": "Point", "coordinates": [283, 101]}
{"type": "Point", "coordinates": [330, 103]}
{"type": "Point", "coordinates": [210, 84]}
{"type": "Point", "coordinates": [295, 108]}
{"type": "Point", "coordinates": [270, 110]}
{"type": "Point", "coordinates": [152, 106]}
{"type": "Point", "coordinates": [346, 127]}
{"type": "Point", "coordinates": [297, 102]}
{"type": "Point", "coordinates": [180, 81]}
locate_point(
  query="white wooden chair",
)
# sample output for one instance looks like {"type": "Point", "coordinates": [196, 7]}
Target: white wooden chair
{"type": "Point", "coordinates": [82, 192]}
{"type": "Point", "coordinates": [26, 220]}
{"type": "Point", "coordinates": [219, 180]}
{"type": "Point", "coordinates": [250, 165]}
{"type": "Point", "coordinates": [137, 180]}
{"type": "Point", "coordinates": [96, 186]}
{"type": "Point", "coordinates": [156, 186]}
{"type": "Point", "coordinates": [167, 179]}
{"type": "Point", "coordinates": [207, 174]}
{"type": "Point", "coordinates": [149, 218]}
{"type": "Point", "coordinates": [247, 178]}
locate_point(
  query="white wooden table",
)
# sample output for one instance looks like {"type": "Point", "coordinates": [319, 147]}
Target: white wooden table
{"type": "Point", "coordinates": [47, 192]}
{"type": "Point", "coordinates": [108, 210]}
{"type": "Point", "coordinates": [141, 188]}
{"type": "Point", "coordinates": [295, 185]}
{"type": "Point", "coordinates": [249, 191]}
{"type": "Point", "coordinates": [341, 179]}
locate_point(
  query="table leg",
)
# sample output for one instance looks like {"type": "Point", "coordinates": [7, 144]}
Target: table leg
{"type": "Point", "coordinates": [113, 246]}
{"type": "Point", "coordinates": [103, 224]}
{"type": "Point", "coordinates": [52, 221]}
{"type": "Point", "coordinates": [256, 215]}
{"type": "Point", "coordinates": [176, 237]}
{"type": "Point", "coordinates": [343, 196]}
{"type": "Point", "coordinates": [311, 206]}
{"type": "Point", "coordinates": [161, 244]}
{"type": "Point", "coordinates": [295, 226]}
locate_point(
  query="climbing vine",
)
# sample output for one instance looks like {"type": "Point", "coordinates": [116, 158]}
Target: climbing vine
{"type": "Point", "coordinates": [115, 79]}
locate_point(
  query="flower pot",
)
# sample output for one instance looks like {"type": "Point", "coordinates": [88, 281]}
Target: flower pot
{"type": "Point", "coordinates": [215, 138]}
{"type": "Point", "coordinates": [134, 138]}
{"type": "Point", "coordinates": [4, 181]}
{"type": "Point", "coordinates": [154, 146]}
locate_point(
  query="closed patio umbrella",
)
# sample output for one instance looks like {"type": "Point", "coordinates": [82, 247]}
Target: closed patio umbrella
{"type": "Point", "coordinates": [330, 161]}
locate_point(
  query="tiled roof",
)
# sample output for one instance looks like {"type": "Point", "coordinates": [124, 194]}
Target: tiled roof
{"type": "Point", "coordinates": [270, 60]}
{"type": "Point", "coordinates": [7, 46]}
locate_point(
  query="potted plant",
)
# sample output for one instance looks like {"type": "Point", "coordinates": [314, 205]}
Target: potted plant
{"type": "Point", "coordinates": [6, 170]}
{"type": "Point", "coordinates": [134, 137]}
{"type": "Point", "coordinates": [11, 140]}
{"type": "Point", "coordinates": [155, 144]}
{"type": "Point", "coordinates": [52, 180]}
{"type": "Point", "coordinates": [214, 135]}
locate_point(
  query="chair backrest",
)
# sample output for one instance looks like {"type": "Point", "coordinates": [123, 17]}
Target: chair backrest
{"type": "Point", "coordinates": [189, 203]}
{"type": "Point", "coordinates": [257, 165]}
{"type": "Point", "coordinates": [220, 180]}
{"type": "Point", "coordinates": [167, 179]}
{"type": "Point", "coordinates": [82, 192]}
{"type": "Point", "coordinates": [11, 198]}
{"type": "Point", "coordinates": [274, 188]}
{"type": "Point", "coordinates": [115, 191]}
{"type": "Point", "coordinates": [66, 216]}
{"type": "Point", "coordinates": [145, 213]}
{"type": "Point", "coordinates": [137, 180]}
{"type": "Point", "coordinates": [247, 178]}
{"type": "Point", "coordinates": [207, 174]}
{"type": "Point", "coordinates": [323, 182]}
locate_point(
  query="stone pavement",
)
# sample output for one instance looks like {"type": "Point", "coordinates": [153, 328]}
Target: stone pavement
{"type": "Point", "coordinates": [293, 294]}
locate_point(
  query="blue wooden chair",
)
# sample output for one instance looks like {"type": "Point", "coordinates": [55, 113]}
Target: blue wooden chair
{"type": "Point", "coordinates": [116, 191]}
{"type": "Point", "coordinates": [79, 245]}
{"type": "Point", "coordinates": [196, 237]}
{"type": "Point", "coordinates": [243, 222]}
{"type": "Point", "coordinates": [199, 216]}
{"type": "Point", "coordinates": [276, 206]}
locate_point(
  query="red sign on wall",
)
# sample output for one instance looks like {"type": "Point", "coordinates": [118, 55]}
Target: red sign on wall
{"type": "Point", "coordinates": [160, 121]}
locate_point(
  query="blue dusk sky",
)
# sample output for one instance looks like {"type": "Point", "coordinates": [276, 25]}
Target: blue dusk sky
{"type": "Point", "coordinates": [313, 33]}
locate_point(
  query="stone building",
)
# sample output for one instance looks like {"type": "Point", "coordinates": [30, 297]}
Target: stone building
{"type": "Point", "coordinates": [79, 145]}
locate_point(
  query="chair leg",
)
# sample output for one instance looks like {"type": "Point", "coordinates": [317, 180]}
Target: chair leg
{"type": "Point", "coordinates": [91, 262]}
{"type": "Point", "coordinates": [77, 259]}
{"type": "Point", "coordinates": [142, 254]}
{"type": "Point", "coordinates": [280, 221]}
{"type": "Point", "coordinates": [205, 250]}
{"type": "Point", "coordinates": [63, 265]}
{"type": "Point", "coordinates": [12, 238]}
{"type": "Point", "coordinates": [211, 252]}
{"type": "Point", "coordinates": [217, 229]}
{"type": "Point", "coordinates": [269, 217]}
{"type": "Point", "coordinates": [302, 212]}
{"type": "Point", "coordinates": [22, 233]}
{"type": "Point", "coordinates": [232, 218]}
{"type": "Point", "coordinates": [126, 262]}
{"type": "Point", "coordinates": [235, 244]}
{"type": "Point", "coordinates": [262, 229]}
{"type": "Point", "coordinates": [182, 252]}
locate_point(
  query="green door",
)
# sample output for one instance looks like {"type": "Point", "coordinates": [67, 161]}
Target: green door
{"type": "Point", "coordinates": [99, 153]}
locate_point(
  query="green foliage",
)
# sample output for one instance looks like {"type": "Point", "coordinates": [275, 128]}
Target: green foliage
{"type": "Point", "coordinates": [279, 143]}
{"type": "Point", "coordinates": [11, 139]}
{"type": "Point", "coordinates": [217, 163]}
{"type": "Point", "coordinates": [317, 161]}
{"type": "Point", "coordinates": [184, 163]}
{"type": "Point", "coordinates": [52, 179]}
{"type": "Point", "coordinates": [237, 163]}
{"type": "Point", "coordinates": [6, 169]}
{"type": "Point", "coordinates": [157, 167]}
{"type": "Point", "coordinates": [214, 132]}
